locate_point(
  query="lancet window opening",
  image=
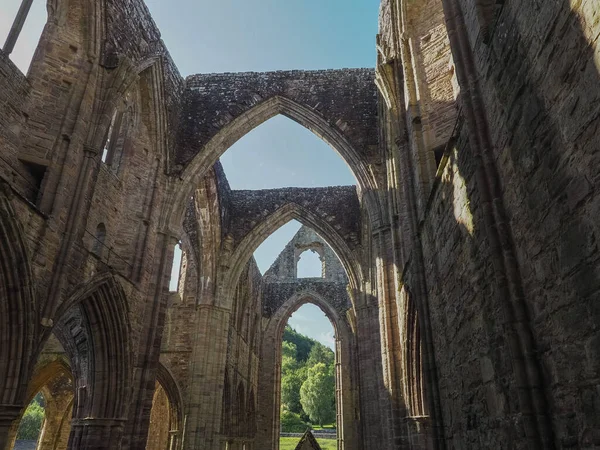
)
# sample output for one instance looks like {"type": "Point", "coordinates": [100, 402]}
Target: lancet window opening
{"type": "Point", "coordinates": [116, 136]}
{"type": "Point", "coordinates": [310, 263]}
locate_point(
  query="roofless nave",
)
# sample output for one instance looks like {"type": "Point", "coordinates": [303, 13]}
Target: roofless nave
{"type": "Point", "coordinates": [469, 245]}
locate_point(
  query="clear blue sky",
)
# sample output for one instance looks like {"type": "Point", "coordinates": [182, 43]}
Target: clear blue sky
{"type": "Point", "coordinates": [257, 35]}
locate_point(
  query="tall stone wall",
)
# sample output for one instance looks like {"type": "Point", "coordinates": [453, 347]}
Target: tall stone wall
{"type": "Point", "coordinates": [503, 264]}
{"type": "Point", "coordinates": [540, 64]}
{"type": "Point", "coordinates": [470, 244]}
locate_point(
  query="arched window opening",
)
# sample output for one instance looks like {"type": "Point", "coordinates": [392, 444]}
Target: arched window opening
{"type": "Point", "coordinates": [304, 254]}
{"type": "Point", "coordinates": [99, 240]}
{"type": "Point", "coordinates": [310, 265]}
{"type": "Point", "coordinates": [282, 153]}
{"type": "Point", "coordinates": [309, 374]}
{"type": "Point", "coordinates": [32, 423]}
{"type": "Point", "coordinates": [21, 25]}
{"type": "Point", "coordinates": [115, 137]}
{"type": "Point", "coordinates": [176, 268]}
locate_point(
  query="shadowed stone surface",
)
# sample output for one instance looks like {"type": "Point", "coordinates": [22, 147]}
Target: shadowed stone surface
{"type": "Point", "coordinates": [466, 298]}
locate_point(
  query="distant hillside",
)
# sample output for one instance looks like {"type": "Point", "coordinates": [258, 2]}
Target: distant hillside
{"type": "Point", "coordinates": [303, 344]}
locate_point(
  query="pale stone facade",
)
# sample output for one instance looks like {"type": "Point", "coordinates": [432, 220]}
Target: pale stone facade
{"type": "Point", "coordinates": [469, 314]}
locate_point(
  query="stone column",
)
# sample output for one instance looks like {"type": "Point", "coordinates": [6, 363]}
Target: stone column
{"type": "Point", "coordinates": [269, 385]}
{"type": "Point", "coordinates": [205, 392]}
{"type": "Point", "coordinates": [391, 352]}
{"type": "Point", "coordinates": [96, 434]}
{"type": "Point", "coordinates": [136, 436]}
{"type": "Point", "coordinates": [346, 384]}
{"type": "Point", "coordinates": [419, 433]}
{"type": "Point", "coordinates": [57, 419]}
{"type": "Point", "coordinates": [9, 421]}
{"type": "Point", "coordinates": [374, 399]}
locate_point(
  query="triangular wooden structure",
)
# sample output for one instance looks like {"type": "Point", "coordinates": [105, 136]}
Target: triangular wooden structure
{"type": "Point", "coordinates": [308, 442]}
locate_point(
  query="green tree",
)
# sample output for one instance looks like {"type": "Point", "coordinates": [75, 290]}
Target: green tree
{"type": "Point", "coordinates": [291, 382]}
{"type": "Point", "coordinates": [321, 354]}
{"type": "Point", "coordinates": [303, 343]}
{"type": "Point", "coordinates": [32, 421]}
{"type": "Point", "coordinates": [289, 358]}
{"type": "Point", "coordinates": [317, 394]}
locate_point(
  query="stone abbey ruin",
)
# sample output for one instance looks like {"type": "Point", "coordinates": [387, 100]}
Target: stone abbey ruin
{"type": "Point", "coordinates": [466, 299]}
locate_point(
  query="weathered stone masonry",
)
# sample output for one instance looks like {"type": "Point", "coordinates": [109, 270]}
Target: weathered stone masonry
{"type": "Point", "coordinates": [465, 295]}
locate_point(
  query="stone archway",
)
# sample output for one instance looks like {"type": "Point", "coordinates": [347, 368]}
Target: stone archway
{"type": "Point", "coordinates": [252, 239]}
{"type": "Point", "coordinates": [166, 416]}
{"type": "Point", "coordinates": [93, 328]}
{"type": "Point", "coordinates": [54, 380]}
{"type": "Point", "coordinates": [269, 395]}
{"type": "Point", "coordinates": [18, 318]}
{"type": "Point", "coordinates": [339, 106]}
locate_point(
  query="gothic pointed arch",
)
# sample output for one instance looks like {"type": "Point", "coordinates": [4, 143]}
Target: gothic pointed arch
{"type": "Point", "coordinates": [18, 316]}
{"type": "Point", "coordinates": [168, 383]}
{"type": "Point", "coordinates": [269, 393]}
{"type": "Point", "coordinates": [207, 150]}
{"type": "Point", "coordinates": [334, 313]}
{"type": "Point", "coordinates": [93, 328]}
{"type": "Point", "coordinates": [44, 373]}
{"type": "Point", "coordinates": [244, 250]}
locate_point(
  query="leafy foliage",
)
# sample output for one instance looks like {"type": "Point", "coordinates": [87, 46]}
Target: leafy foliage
{"type": "Point", "coordinates": [317, 394]}
{"type": "Point", "coordinates": [33, 420]}
{"type": "Point", "coordinates": [320, 354]}
{"type": "Point", "coordinates": [291, 383]}
{"type": "Point", "coordinates": [300, 357]}
{"type": "Point", "coordinates": [292, 422]}
{"type": "Point", "coordinates": [303, 343]}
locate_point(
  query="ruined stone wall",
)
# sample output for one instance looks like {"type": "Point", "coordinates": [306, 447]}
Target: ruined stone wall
{"type": "Point", "coordinates": [285, 267]}
{"type": "Point", "coordinates": [495, 257]}
{"type": "Point", "coordinates": [212, 101]}
{"type": "Point", "coordinates": [56, 121]}
{"type": "Point", "coordinates": [505, 259]}
{"type": "Point", "coordinates": [540, 66]}
{"type": "Point", "coordinates": [243, 349]}
{"type": "Point", "coordinates": [282, 294]}
{"type": "Point", "coordinates": [337, 205]}
{"type": "Point", "coordinates": [178, 339]}
{"type": "Point", "coordinates": [433, 66]}
{"type": "Point", "coordinates": [158, 436]}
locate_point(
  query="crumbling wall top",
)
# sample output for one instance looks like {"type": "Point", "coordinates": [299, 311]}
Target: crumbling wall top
{"type": "Point", "coordinates": [336, 207]}
{"type": "Point", "coordinates": [306, 239]}
{"type": "Point", "coordinates": [346, 99]}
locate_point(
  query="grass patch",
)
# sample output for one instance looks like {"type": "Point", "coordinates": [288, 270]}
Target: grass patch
{"type": "Point", "coordinates": [288, 443]}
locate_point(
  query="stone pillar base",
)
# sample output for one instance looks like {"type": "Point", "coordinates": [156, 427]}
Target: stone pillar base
{"type": "Point", "coordinates": [9, 421]}
{"type": "Point", "coordinates": [96, 434]}
{"type": "Point", "coordinates": [419, 432]}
